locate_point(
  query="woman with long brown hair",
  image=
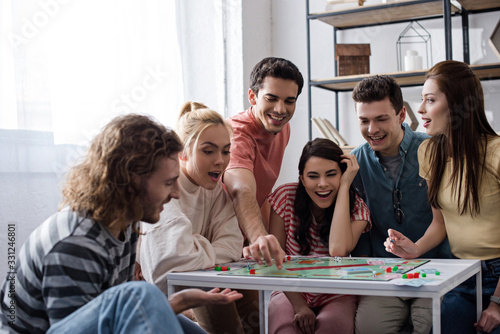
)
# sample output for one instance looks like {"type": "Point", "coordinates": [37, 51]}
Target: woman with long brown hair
{"type": "Point", "coordinates": [318, 216]}
{"type": "Point", "coordinates": [461, 163]}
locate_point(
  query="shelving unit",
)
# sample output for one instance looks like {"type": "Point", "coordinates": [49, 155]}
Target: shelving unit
{"type": "Point", "coordinates": [390, 13]}
{"type": "Point", "coordinates": [404, 79]}
{"type": "Point", "coordinates": [474, 7]}
{"type": "Point", "coordinates": [480, 5]}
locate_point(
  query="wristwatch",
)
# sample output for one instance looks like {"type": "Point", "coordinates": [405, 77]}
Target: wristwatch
{"type": "Point", "coordinates": [495, 299]}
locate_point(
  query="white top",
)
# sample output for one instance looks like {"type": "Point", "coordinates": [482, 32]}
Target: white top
{"type": "Point", "coordinates": [197, 231]}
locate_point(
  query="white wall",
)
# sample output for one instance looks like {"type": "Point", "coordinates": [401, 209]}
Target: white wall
{"type": "Point", "coordinates": [289, 41]}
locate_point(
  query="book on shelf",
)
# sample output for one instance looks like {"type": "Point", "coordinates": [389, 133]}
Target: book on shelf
{"type": "Point", "coordinates": [320, 125]}
{"type": "Point", "coordinates": [341, 141]}
{"type": "Point", "coordinates": [329, 131]}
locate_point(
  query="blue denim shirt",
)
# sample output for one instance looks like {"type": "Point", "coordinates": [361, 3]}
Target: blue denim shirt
{"type": "Point", "coordinates": [375, 185]}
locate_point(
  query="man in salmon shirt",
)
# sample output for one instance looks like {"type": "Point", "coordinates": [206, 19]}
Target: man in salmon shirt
{"type": "Point", "coordinates": [261, 134]}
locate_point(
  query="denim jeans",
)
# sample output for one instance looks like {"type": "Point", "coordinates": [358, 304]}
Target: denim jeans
{"type": "Point", "coordinates": [133, 307]}
{"type": "Point", "coordinates": [458, 308]}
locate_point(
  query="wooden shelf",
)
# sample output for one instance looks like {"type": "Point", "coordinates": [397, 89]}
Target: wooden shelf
{"type": "Point", "coordinates": [479, 5]}
{"type": "Point", "coordinates": [487, 71]}
{"type": "Point", "coordinates": [392, 12]}
{"type": "Point", "coordinates": [404, 79]}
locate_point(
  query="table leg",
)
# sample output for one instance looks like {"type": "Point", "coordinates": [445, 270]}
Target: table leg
{"type": "Point", "coordinates": [436, 315]}
{"type": "Point", "coordinates": [479, 294]}
{"type": "Point", "coordinates": [170, 290]}
{"type": "Point", "coordinates": [262, 311]}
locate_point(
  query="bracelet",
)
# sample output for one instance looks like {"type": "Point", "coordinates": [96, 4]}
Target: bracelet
{"type": "Point", "coordinates": [495, 299]}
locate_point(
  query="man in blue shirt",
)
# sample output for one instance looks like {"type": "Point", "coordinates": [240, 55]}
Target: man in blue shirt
{"type": "Point", "coordinates": [396, 195]}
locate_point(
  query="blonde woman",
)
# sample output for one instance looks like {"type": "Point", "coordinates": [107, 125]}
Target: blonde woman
{"type": "Point", "coordinates": [200, 229]}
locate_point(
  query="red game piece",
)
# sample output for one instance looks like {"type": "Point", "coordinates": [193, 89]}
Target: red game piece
{"type": "Point", "coordinates": [252, 271]}
{"type": "Point", "coordinates": [409, 276]}
{"type": "Point", "coordinates": [388, 270]}
{"type": "Point", "coordinates": [224, 268]}
{"type": "Point", "coordinates": [416, 275]}
{"type": "Point", "coordinates": [288, 257]}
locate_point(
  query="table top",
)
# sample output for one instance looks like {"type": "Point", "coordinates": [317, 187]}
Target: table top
{"type": "Point", "coordinates": [452, 273]}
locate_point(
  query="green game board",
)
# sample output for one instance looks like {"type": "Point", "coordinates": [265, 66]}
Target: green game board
{"type": "Point", "coordinates": [330, 268]}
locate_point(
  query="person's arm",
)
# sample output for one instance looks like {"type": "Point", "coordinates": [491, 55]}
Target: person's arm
{"type": "Point", "coordinates": [242, 188]}
{"type": "Point", "coordinates": [490, 318]}
{"type": "Point", "coordinates": [364, 246]}
{"type": "Point", "coordinates": [137, 268]}
{"type": "Point", "coordinates": [171, 245]}
{"type": "Point", "coordinates": [304, 320]}
{"type": "Point", "coordinates": [66, 289]}
{"type": "Point", "coordinates": [190, 298]}
{"type": "Point", "coordinates": [400, 245]}
{"type": "Point", "coordinates": [223, 230]}
{"type": "Point", "coordinates": [344, 234]}
{"type": "Point", "coordinates": [277, 228]}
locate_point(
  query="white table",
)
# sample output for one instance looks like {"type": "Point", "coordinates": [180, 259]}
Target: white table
{"type": "Point", "coordinates": [452, 273]}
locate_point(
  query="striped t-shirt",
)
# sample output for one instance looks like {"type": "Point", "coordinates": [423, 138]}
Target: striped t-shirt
{"type": "Point", "coordinates": [282, 201]}
{"type": "Point", "coordinates": [65, 263]}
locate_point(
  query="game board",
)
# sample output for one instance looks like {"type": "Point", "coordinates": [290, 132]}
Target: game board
{"type": "Point", "coordinates": [330, 268]}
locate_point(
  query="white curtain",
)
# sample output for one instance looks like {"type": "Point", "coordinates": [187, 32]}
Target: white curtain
{"type": "Point", "coordinates": [66, 68]}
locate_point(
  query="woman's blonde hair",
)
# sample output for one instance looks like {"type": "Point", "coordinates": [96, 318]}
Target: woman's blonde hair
{"type": "Point", "coordinates": [194, 118]}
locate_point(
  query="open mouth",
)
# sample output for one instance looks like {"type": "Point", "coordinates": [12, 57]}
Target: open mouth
{"type": "Point", "coordinates": [214, 176]}
{"type": "Point", "coordinates": [377, 139]}
{"type": "Point", "coordinates": [426, 122]}
{"type": "Point", "coordinates": [323, 194]}
{"type": "Point", "coordinates": [277, 119]}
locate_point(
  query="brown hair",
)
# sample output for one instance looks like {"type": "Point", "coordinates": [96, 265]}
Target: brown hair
{"type": "Point", "coordinates": [465, 137]}
{"type": "Point", "coordinates": [277, 68]}
{"type": "Point", "coordinates": [101, 187]}
{"type": "Point", "coordinates": [326, 149]}
{"type": "Point", "coordinates": [377, 88]}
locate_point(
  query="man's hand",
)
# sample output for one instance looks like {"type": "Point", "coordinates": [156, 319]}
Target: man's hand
{"type": "Point", "coordinates": [191, 298]}
{"type": "Point", "coordinates": [242, 188]}
{"type": "Point", "coordinates": [490, 319]}
{"type": "Point", "coordinates": [265, 247]}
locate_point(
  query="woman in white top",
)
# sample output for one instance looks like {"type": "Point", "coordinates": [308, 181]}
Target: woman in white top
{"type": "Point", "coordinates": [200, 229]}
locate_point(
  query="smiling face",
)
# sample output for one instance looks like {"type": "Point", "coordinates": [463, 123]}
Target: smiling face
{"type": "Point", "coordinates": [434, 109]}
{"type": "Point", "coordinates": [274, 105]}
{"type": "Point", "coordinates": [321, 179]}
{"type": "Point", "coordinates": [380, 126]}
{"type": "Point", "coordinates": [159, 188]}
{"type": "Point", "coordinates": [206, 162]}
